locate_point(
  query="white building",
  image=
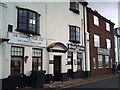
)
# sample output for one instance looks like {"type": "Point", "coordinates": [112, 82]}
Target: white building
{"type": "Point", "coordinates": [117, 44]}
{"type": "Point", "coordinates": [44, 36]}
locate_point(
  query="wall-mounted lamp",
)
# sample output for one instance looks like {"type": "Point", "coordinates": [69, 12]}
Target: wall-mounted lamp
{"type": "Point", "coordinates": [25, 58]}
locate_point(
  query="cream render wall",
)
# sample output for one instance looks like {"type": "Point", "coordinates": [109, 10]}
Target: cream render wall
{"type": "Point", "coordinates": [54, 26]}
{"type": "Point", "coordinates": [59, 17]}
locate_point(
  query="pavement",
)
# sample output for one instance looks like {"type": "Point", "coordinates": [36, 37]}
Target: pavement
{"type": "Point", "coordinates": [71, 82]}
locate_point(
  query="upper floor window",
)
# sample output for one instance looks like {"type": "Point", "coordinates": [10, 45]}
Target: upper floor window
{"type": "Point", "coordinates": [28, 21]}
{"type": "Point", "coordinates": [107, 26]}
{"type": "Point", "coordinates": [118, 32]}
{"type": "Point", "coordinates": [96, 20]}
{"type": "Point", "coordinates": [96, 41]}
{"type": "Point", "coordinates": [108, 43]}
{"type": "Point", "coordinates": [74, 34]}
{"type": "Point", "coordinates": [74, 6]}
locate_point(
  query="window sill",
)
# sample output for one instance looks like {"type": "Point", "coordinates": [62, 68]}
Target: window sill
{"type": "Point", "coordinates": [74, 41]}
{"type": "Point", "coordinates": [28, 32]}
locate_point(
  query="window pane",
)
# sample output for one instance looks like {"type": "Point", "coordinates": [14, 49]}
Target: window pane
{"type": "Point", "coordinates": [24, 26]}
{"type": "Point", "coordinates": [24, 13]}
{"type": "Point", "coordinates": [100, 61]}
{"type": "Point", "coordinates": [34, 21]}
{"type": "Point", "coordinates": [20, 12]}
{"type": "Point", "coordinates": [25, 19]}
{"type": "Point", "coordinates": [16, 65]}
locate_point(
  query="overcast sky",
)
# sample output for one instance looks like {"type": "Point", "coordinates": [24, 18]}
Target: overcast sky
{"type": "Point", "coordinates": [107, 9]}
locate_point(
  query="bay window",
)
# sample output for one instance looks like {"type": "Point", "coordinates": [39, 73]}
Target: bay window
{"type": "Point", "coordinates": [28, 21]}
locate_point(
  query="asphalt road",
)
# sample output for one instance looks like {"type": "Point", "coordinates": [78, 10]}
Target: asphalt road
{"type": "Point", "coordinates": [106, 83]}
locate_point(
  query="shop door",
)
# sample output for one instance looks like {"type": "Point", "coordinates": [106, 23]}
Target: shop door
{"type": "Point", "coordinates": [57, 68]}
{"type": "Point", "coordinates": [70, 71]}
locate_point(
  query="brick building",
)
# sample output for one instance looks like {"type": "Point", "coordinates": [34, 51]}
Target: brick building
{"type": "Point", "coordinates": [101, 41]}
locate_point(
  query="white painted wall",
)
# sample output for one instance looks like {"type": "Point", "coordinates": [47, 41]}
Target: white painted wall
{"type": "Point", "coordinates": [116, 49]}
{"type": "Point", "coordinates": [59, 17]}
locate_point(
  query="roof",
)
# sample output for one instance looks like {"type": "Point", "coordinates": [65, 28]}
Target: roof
{"type": "Point", "coordinates": [100, 16]}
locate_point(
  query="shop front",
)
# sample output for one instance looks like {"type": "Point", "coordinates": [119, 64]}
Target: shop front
{"type": "Point", "coordinates": [25, 54]}
{"type": "Point", "coordinates": [76, 61]}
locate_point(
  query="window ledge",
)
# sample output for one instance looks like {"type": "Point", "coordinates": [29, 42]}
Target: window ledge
{"type": "Point", "coordinates": [28, 32]}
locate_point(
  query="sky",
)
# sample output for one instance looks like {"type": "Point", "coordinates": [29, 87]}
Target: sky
{"type": "Point", "coordinates": [107, 9]}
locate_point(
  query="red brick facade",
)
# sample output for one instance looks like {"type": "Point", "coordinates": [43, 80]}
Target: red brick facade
{"type": "Point", "coordinates": [103, 34]}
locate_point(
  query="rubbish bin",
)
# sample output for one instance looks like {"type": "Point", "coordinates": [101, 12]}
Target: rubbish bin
{"type": "Point", "coordinates": [37, 79]}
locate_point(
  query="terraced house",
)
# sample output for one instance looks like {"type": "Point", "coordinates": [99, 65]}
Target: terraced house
{"type": "Point", "coordinates": [102, 45]}
{"type": "Point", "coordinates": [50, 37]}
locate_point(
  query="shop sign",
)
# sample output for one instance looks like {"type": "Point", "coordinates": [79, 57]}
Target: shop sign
{"type": "Point", "coordinates": [103, 51]}
{"type": "Point", "coordinates": [26, 40]}
{"type": "Point", "coordinates": [76, 47]}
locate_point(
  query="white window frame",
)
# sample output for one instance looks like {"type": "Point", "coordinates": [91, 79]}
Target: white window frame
{"type": "Point", "coordinates": [107, 61]}
{"type": "Point", "coordinates": [107, 26]}
{"type": "Point", "coordinates": [96, 20]}
{"type": "Point", "coordinates": [100, 61]}
{"type": "Point", "coordinates": [96, 41]}
{"type": "Point", "coordinates": [108, 43]}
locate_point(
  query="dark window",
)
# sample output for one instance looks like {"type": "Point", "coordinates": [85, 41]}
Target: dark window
{"type": "Point", "coordinates": [28, 21]}
{"type": "Point", "coordinates": [74, 34]}
{"type": "Point", "coordinates": [74, 6]}
{"type": "Point", "coordinates": [37, 59]}
{"type": "Point", "coordinates": [17, 60]}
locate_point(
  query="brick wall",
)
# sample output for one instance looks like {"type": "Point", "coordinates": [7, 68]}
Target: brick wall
{"type": "Point", "coordinates": [104, 34]}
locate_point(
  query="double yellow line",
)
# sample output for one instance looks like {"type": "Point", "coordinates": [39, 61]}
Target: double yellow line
{"type": "Point", "coordinates": [86, 82]}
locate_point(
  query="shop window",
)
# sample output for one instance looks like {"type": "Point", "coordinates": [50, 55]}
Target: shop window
{"type": "Point", "coordinates": [107, 61]}
{"type": "Point", "coordinates": [96, 41]}
{"type": "Point", "coordinates": [37, 59]}
{"type": "Point", "coordinates": [79, 61]}
{"type": "Point", "coordinates": [17, 60]}
{"type": "Point", "coordinates": [96, 20]}
{"type": "Point", "coordinates": [69, 58]}
{"type": "Point", "coordinates": [28, 21]}
{"type": "Point", "coordinates": [74, 6]}
{"type": "Point", "coordinates": [74, 34]}
{"type": "Point", "coordinates": [94, 63]}
{"type": "Point", "coordinates": [100, 61]}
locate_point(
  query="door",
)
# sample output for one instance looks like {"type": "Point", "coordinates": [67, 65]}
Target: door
{"type": "Point", "coordinates": [57, 68]}
{"type": "Point", "coordinates": [70, 71]}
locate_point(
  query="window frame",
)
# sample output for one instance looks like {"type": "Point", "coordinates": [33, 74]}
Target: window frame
{"type": "Point", "coordinates": [108, 43]}
{"type": "Point", "coordinates": [74, 6]}
{"type": "Point", "coordinates": [96, 20]}
{"type": "Point", "coordinates": [37, 56]}
{"type": "Point", "coordinates": [74, 34]}
{"type": "Point", "coordinates": [96, 40]}
{"type": "Point", "coordinates": [17, 56]}
{"type": "Point", "coordinates": [107, 26]}
{"type": "Point", "coordinates": [36, 25]}
{"type": "Point", "coordinates": [107, 61]}
{"type": "Point", "coordinates": [100, 61]}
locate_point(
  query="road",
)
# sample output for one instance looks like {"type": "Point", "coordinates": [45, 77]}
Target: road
{"type": "Point", "coordinates": [105, 83]}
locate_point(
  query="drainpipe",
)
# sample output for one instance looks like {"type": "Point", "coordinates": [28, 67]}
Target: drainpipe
{"type": "Point", "coordinates": [84, 35]}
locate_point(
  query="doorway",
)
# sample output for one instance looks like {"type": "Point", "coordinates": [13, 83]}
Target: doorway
{"type": "Point", "coordinates": [57, 68]}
